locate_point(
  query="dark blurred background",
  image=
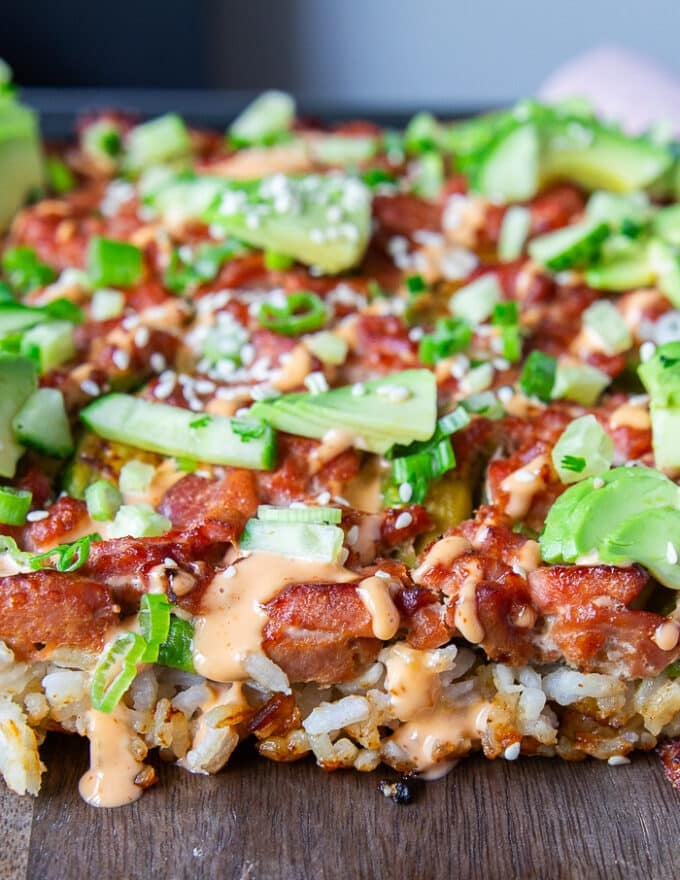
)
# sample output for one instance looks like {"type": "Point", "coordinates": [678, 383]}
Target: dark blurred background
{"type": "Point", "coordinates": [375, 52]}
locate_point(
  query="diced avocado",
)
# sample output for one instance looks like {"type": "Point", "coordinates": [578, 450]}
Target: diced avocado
{"type": "Point", "coordinates": [508, 170]}
{"type": "Point", "coordinates": [576, 245]}
{"type": "Point", "coordinates": [599, 157]}
{"type": "Point", "coordinates": [661, 375]}
{"type": "Point", "coordinates": [21, 165]}
{"type": "Point", "coordinates": [264, 120]}
{"type": "Point", "coordinates": [629, 492]}
{"type": "Point", "coordinates": [584, 449]}
{"type": "Point", "coordinates": [580, 382]}
{"type": "Point", "coordinates": [42, 423]}
{"type": "Point", "coordinates": [652, 538]}
{"type": "Point", "coordinates": [18, 380]}
{"type": "Point", "coordinates": [323, 221]}
{"type": "Point", "coordinates": [399, 409]}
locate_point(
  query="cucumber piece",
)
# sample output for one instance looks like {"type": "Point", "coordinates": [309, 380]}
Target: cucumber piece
{"type": "Point", "coordinates": [138, 521]}
{"type": "Point", "coordinates": [514, 233]}
{"type": "Point", "coordinates": [398, 409]}
{"type": "Point", "coordinates": [576, 245]}
{"type": "Point", "coordinates": [42, 423]}
{"type": "Point", "coordinates": [103, 500]}
{"type": "Point", "coordinates": [652, 538]}
{"type": "Point", "coordinates": [156, 142]}
{"type": "Point", "coordinates": [50, 344]}
{"type": "Point", "coordinates": [617, 209]}
{"type": "Point", "coordinates": [18, 381]}
{"type": "Point", "coordinates": [666, 224]}
{"type": "Point", "coordinates": [15, 318]}
{"type": "Point", "coordinates": [337, 149]}
{"type": "Point", "coordinates": [170, 430]}
{"type": "Point", "coordinates": [313, 541]}
{"type": "Point", "coordinates": [21, 162]}
{"type": "Point", "coordinates": [599, 157]}
{"type": "Point", "coordinates": [323, 221]}
{"type": "Point", "coordinates": [508, 170]}
{"type": "Point", "coordinates": [268, 117]}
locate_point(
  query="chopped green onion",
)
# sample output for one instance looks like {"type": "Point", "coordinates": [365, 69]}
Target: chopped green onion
{"type": "Point", "coordinates": [14, 505]}
{"type": "Point", "coordinates": [107, 304]}
{"type": "Point", "coordinates": [139, 521]}
{"type": "Point", "coordinates": [186, 465]}
{"type": "Point", "coordinates": [154, 623]}
{"type": "Point", "coordinates": [303, 312]}
{"type": "Point", "coordinates": [190, 268]}
{"type": "Point", "coordinates": [505, 314]}
{"type": "Point", "coordinates": [101, 141]}
{"type": "Point", "coordinates": [375, 177]}
{"type": "Point", "coordinates": [313, 541]}
{"type": "Point", "coordinates": [9, 545]}
{"type": "Point", "coordinates": [415, 284]}
{"type": "Point", "coordinates": [49, 345]}
{"type": "Point", "coordinates": [70, 557]}
{"type": "Point", "coordinates": [427, 176]}
{"type": "Point", "coordinates": [116, 671]}
{"type": "Point", "coordinates": [584, 449]}
{"type": "Point", "coordinates": [328, 347]}
{"type": "Point", "coordinates": [62, 309]}
{"type": "Point", "coordinates": [423, 133]}
{"type": "Point", "coordinates": [113, 263]}
{"type": "Point", "coordinates": [157, 142]}
{"type": "Point", "coordinates": [475, 301]}
{"type": "Point", "coordinates": [265, 120]}
{"type": "Point", "coordinates": [579, 382]}
{"type": "Point", "coordinates": [176, 651]}
{"type": "Point", "coordinates": [450, 335]}
{"type": "Point", "coordinates": [327, 515]}
{"type": "Point", "coordinates": [24, 270]}
{"type": "Point", "coordinates": [276, 261]}
{"type": "Point", "coordinates": [538, 375]}
{"type": "Point", "coordinates": [604, 321]}
{"type": "Point", "coordinates": [60, 177]}
{"type": "Point", "coordinates": [6, 295]}
{"type": "Point", "coordinates": [453, 421]}
{"type": "Point", "coordinates": [135, 476]}
{"type": "Point", "coordinates": [485, 403]}
{"type": "Point", "coordinates": [103, 500]}
{"type": "Point", "coordinates": [514, 233]}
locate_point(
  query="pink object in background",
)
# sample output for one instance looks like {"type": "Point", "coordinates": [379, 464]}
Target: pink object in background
{"type": "Point", "coordinates": [621, 85]}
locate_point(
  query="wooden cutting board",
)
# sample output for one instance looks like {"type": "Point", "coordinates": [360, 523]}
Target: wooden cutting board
{"type": "Point", "coordinates": [534, 818]}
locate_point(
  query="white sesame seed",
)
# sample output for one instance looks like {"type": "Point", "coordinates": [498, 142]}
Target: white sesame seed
{"type": "Point", "coordinates": [505, 393]}
{"type": "Point", "coordinates": [512, 752]}
{"type": "Point", "coordinates": [169, 562]}
{"type": "Point", "coordinates": [316, 382]}
{"type": "Point", "coordinates": [323, 498]}
{"type": "Point", "coordinates": [598, 483]}
{"type": "Point", "coordinates": [157, 362]}
{"type": "Point", "coordinates": [523, 476]}
{"type": "Point", "coordinates": [671, 554]}
{"type": "Point", "coordinates": [396, 393]}
{"type": "Point", "coordinates": [90, 387]}
{"type": "Point", "coordinates": [403, 521]}
{"type": "Point", "coordinates": [415, 334]}
{"type": "Point", "coordinates": [163, 390]}
{"type": "Point", "coordinates": [120, 358]}
{"type": "Point", "coordinates": [358, 389]}
{"type": "Point", "coordinates": [142, 337]}
{"type": "Point", "coordinates": [647, 350]}
{"type": "Point", "coordinates": [382, 574]}
{"type": "Point", "coordinates": [501, 364]}
{"type": "Point", "coordinates": [205, 386]}
{"type": "Point", "coordinates": [230, 571]}
{"type": "Point", "coordinates": [618, 760]}
{"type": "Point", "coordinates": [37, 515]}
{"type": "Point", "coordinates": [405, 492]}
{"type": "Point", "coordinates": [353, 535]}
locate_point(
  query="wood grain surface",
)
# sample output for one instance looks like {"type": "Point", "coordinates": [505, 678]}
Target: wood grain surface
{"type": "Point", "coordinates": [257, 820]}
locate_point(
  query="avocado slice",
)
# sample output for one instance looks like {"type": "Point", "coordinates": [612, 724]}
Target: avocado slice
{"type": "Point", "coordinates": [603, 510]}
{"type": "Point", "coordinates": [597, 156]}
{"type": "Point", "coordinates": [625, 271]}
{"type": "Point", "coordinates": [508, 168]}
{"type": "Point", "coordinates": [18, 380]}
{"type": "Point", "coordinates": [399, 409]}
{"type": "Point", "coordinates": [652, 538]}
{"type": "Point", "coordinates": [21, 164]}
{"type": "Point", "coordinates": [320, 220]}
{"type": "Point", "coordinates": [556, 540]}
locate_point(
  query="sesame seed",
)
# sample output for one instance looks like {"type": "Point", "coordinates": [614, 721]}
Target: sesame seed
{"type": "Point", "coordinates": [382, 574]}
{"type": "Point", "coordinates": [647, 350]}
{"type": "Point", "coordinates": [505, 393]}
{"type": "Point", "coordinates": [671, 554]}
{"type": "Point", "coordinates": [598, 483]}
{"type": "Point", "coordinates": [403, 521]}
{"type": "Point", "coordinates": [36, 515]}
{"type": "Point", "coordinates": [142, 337]}
{"type": "Point", "coordinates": [358, 389]}
{"type": "Point", "coordinates": [523, 476]}
{"type": "Point", "coordinates": [157, 362]}
{"type": "Point", "coordinates": [405, 492]}
{"type": "Point", "coordinates": [395, 393]}
{"type": "Point", "coordinates": [618, 760]}
{"type": "Point", "coordinates": [163, 390]}
{"type": "Point", "coordinates": [205, 386]}
{"type": "Point", "coordinates": [120, 358]}
{"type": "Point", "coordinates": [230, 571]}
{"type": "Point", "coordinates": [512, 752]}
{"type": "Point", "coordinates": [353, 535]}
{"type": "Point", "coordinates": [88, 386]}
{"type": "Point", "coordinates": [169, 562]}
{"type": "Point", "coordinates": [316, 382]}
{"type": "Point", "coordinates": [323, 498]}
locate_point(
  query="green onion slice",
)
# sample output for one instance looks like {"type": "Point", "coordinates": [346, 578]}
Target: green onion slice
{"type": "Point", "coordinates": [116, 671]}
{"type": "Point", "coordinates": [303, 312]}
{"type": "Point", "coordinates": [538, 375]}
{"type": "Point", "coordinates": [154, 622]}
{"type": "Point", "coordinates": [103, 500]}
{"type": "Point", "coordinates": [176, 650]}
{"type": "Point", "coordinates": [70, 557]}
{"type": "Point", "coordinates": [14, 505]}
